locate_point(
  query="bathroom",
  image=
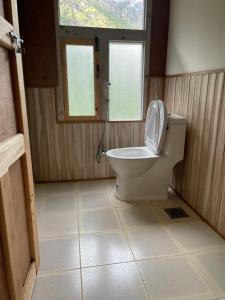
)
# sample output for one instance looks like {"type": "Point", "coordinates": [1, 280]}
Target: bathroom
{"type": "Point", "coordinates": [112, 150]}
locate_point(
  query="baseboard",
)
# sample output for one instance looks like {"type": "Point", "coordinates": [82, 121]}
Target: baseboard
{"type": "Point", "coordinates": [75, 180]}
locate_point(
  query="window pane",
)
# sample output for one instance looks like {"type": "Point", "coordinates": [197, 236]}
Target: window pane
{"type": "Point", "coordinates": [80, 76]}
{"type": "Point", "coordinates": [126, 77]}
{"type": "Point", "coordinates": [122, 14]}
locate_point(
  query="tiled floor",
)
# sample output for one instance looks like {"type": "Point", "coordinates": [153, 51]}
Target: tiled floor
{"type": "Point", "coordinates": [95, 247]}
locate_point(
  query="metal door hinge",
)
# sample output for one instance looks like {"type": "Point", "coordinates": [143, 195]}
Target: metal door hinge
{"type": "Point", "coordinates": [18, 41]}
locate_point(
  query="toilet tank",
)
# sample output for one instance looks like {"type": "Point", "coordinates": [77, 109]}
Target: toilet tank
{"type": "Point", "coordinates": [175, 138]}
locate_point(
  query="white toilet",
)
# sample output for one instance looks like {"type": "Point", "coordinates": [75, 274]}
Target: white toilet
{"type": "Point", "coordinates": [144, 173]}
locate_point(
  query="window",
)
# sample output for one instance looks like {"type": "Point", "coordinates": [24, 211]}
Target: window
{"type": "Point", "coordinates": [126, 78]}
{"type": "Point", "coordinates": [121, 14]}
{"type": "Point", "coordinates": [79, 77]}
{"type": "Point", "coordinates": [104, 41]}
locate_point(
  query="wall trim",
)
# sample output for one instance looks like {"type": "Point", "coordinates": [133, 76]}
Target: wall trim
{"type": "Point", "coordinates": [74, 180]}
{"type": "Point", "coordinates": [204, 72]}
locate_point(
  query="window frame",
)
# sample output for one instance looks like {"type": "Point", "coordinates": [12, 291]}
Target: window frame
{"type": "Point", "coordinates": [67, 116]}
{"type": "Point", "coordinates": [105, 36]}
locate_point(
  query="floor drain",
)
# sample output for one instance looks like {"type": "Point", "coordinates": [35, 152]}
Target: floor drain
{"type": "Point", "coordinates": [176, 213]}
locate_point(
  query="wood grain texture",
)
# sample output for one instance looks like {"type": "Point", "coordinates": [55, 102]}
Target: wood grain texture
{"type": "Point", "coordinates": [4, 295]}
{"type": "Point", "coordinates": [159, 36]}
{"type": "Point", "coordinates": [37, 26]}
{"type": "Point", "coordinates": [13, 216]}
{"type": "Point", "coordinates": [5, 27]}
{"type": "Point", "coordinates": [17, 216]}
{"type": "Point", "coordinates": [26, 293]}
{"type": "Point", "coordinates": [66, 151]}
{"type": "Point", "coordinates": [10, 151]}
{"type": "Point", "coordinates": [156, 88]}
{"type": "Point", "coordinates": [200, 178]}
{"type": "Point", "coordinates": [8, 125]}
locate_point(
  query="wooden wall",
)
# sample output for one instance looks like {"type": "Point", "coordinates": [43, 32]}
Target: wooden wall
{"type": "Point", "coordinates": [159, 37]}
{"type": "Point", "coordinates": [37, 26]}
{"type": "Point", "coordinates": [200, 178]}
{"type": "Point", "coordinates": [66, 151]}
{"type": "Point", "coordinates": [3, 284]}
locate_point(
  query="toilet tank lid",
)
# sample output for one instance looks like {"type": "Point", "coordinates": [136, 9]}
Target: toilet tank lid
{"type": "Point", "coordinates": [176, 119]}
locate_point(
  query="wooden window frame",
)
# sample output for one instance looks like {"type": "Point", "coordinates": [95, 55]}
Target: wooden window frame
{"type": "Point", "coordinates": [104, 35]}
{"type": "Point", "coordinates": [82, 42]}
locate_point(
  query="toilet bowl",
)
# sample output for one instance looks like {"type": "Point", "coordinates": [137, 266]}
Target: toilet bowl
{"type": "Point", "coordinates": [131, 161]}
{"type": "Point", "coordinates": [144, 173]}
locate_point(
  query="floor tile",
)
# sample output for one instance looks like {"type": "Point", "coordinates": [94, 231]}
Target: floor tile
{"type": "Point", "coordinates": [61, 187]}
{"type": "Point", "coordinates": [173, 278]}
{"type": "Point", "coordinates": [109, 272]}
{"type": "Point", "coordinates": [170, 202]}
{"type": "Point", "coordinates": [122, 203]}
{"type": "Point", "coordinates": [54, 224]}
{"type": "Point", "coordinates": [40, 195]}
{"type": "Point", "coordinates": [93, 200]}
{"type": "Point", "coordinates": [59, 254]}
{"type": "Point", "coordinates": [40, 190]}
{"type": "Point", "coordinates": [195, 235]}
{"type": "Point", "coordinates": [98, 220]}
{"type": "Point", "coordinates": [38, 204]}
{"type": "Point", "coordinates": [114, 282]}
{"type": "Point", "coordinates": [111, 184]}
{"type": "Point", "coordinates": [214, 265]}
{"type": "Point", "coordinates": [58, 286]}
{"type": "Point", "coordinates": [137, 216]}
{"type": "Point", "coordinates": [104, 248]}
{"type": "Point", "coordinates": [160, 211]}
{"type": "Point", "coordinates": [59, 203]}
{"type": "Point", "coordinates": [90, 186]}
{"type": "Point", "coordinates": [151, 242]}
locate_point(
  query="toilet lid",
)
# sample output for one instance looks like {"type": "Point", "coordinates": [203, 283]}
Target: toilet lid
{"type": "Point", "coordinates": [155, 126]}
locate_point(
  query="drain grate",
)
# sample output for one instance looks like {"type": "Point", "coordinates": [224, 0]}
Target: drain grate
{"type": "Point", "coordinates": [176, 213]}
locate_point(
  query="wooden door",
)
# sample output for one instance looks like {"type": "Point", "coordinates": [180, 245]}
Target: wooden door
{"type": "Point", "coordinates": [19, 257]}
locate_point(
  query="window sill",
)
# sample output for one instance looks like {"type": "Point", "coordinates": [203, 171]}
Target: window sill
{"type": "Point", "coordinates": [74, 120]}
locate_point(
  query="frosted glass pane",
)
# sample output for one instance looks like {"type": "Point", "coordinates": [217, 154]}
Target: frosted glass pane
{"type": "Point", "coordinates": [126, 77]}
{"type": "Point", "coordinates": [122, 14]}
{"type": "Point", "coordinates": [80, 76]}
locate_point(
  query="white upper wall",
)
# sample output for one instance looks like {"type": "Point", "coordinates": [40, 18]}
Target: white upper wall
{"type": "Point", "coordinates": [196, 39]}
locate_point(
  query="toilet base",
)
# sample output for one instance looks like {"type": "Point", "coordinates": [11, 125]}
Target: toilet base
{"type": "Point", "coordinates": [147, 198]}
{"type": "Point", "coordinates": [152, 185]}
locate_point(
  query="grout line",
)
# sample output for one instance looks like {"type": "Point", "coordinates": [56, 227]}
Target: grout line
{"type": "Point", "coordinates": [55, 272]}
{"type": "Point", "coordinates": [125, 230]}
{"type": "Point", "coordinates": [78, 221]}
{"type": "Point", "coordinates": [125, 234]}
{"type": "Point", "coordinates": [57, 237]}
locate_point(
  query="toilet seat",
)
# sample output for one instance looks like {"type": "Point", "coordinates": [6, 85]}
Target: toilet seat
{"type": "Point", "coordinates": [155, 126]}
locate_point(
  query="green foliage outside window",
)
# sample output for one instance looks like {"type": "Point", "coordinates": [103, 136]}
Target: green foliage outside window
{"type": "Point", "coordinates": [121, 14]}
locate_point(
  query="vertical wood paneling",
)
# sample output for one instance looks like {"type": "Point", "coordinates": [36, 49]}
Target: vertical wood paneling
{"type": "Point", "coordinates": [200, 178]}
{"type": "Point", "coordinates": [156, 88]}
{"type": "Point", "coordinates": [67, 151]}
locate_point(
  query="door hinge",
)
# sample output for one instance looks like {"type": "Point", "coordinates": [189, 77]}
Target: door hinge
{"type": "Point", "coordinates": [15, 39]}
